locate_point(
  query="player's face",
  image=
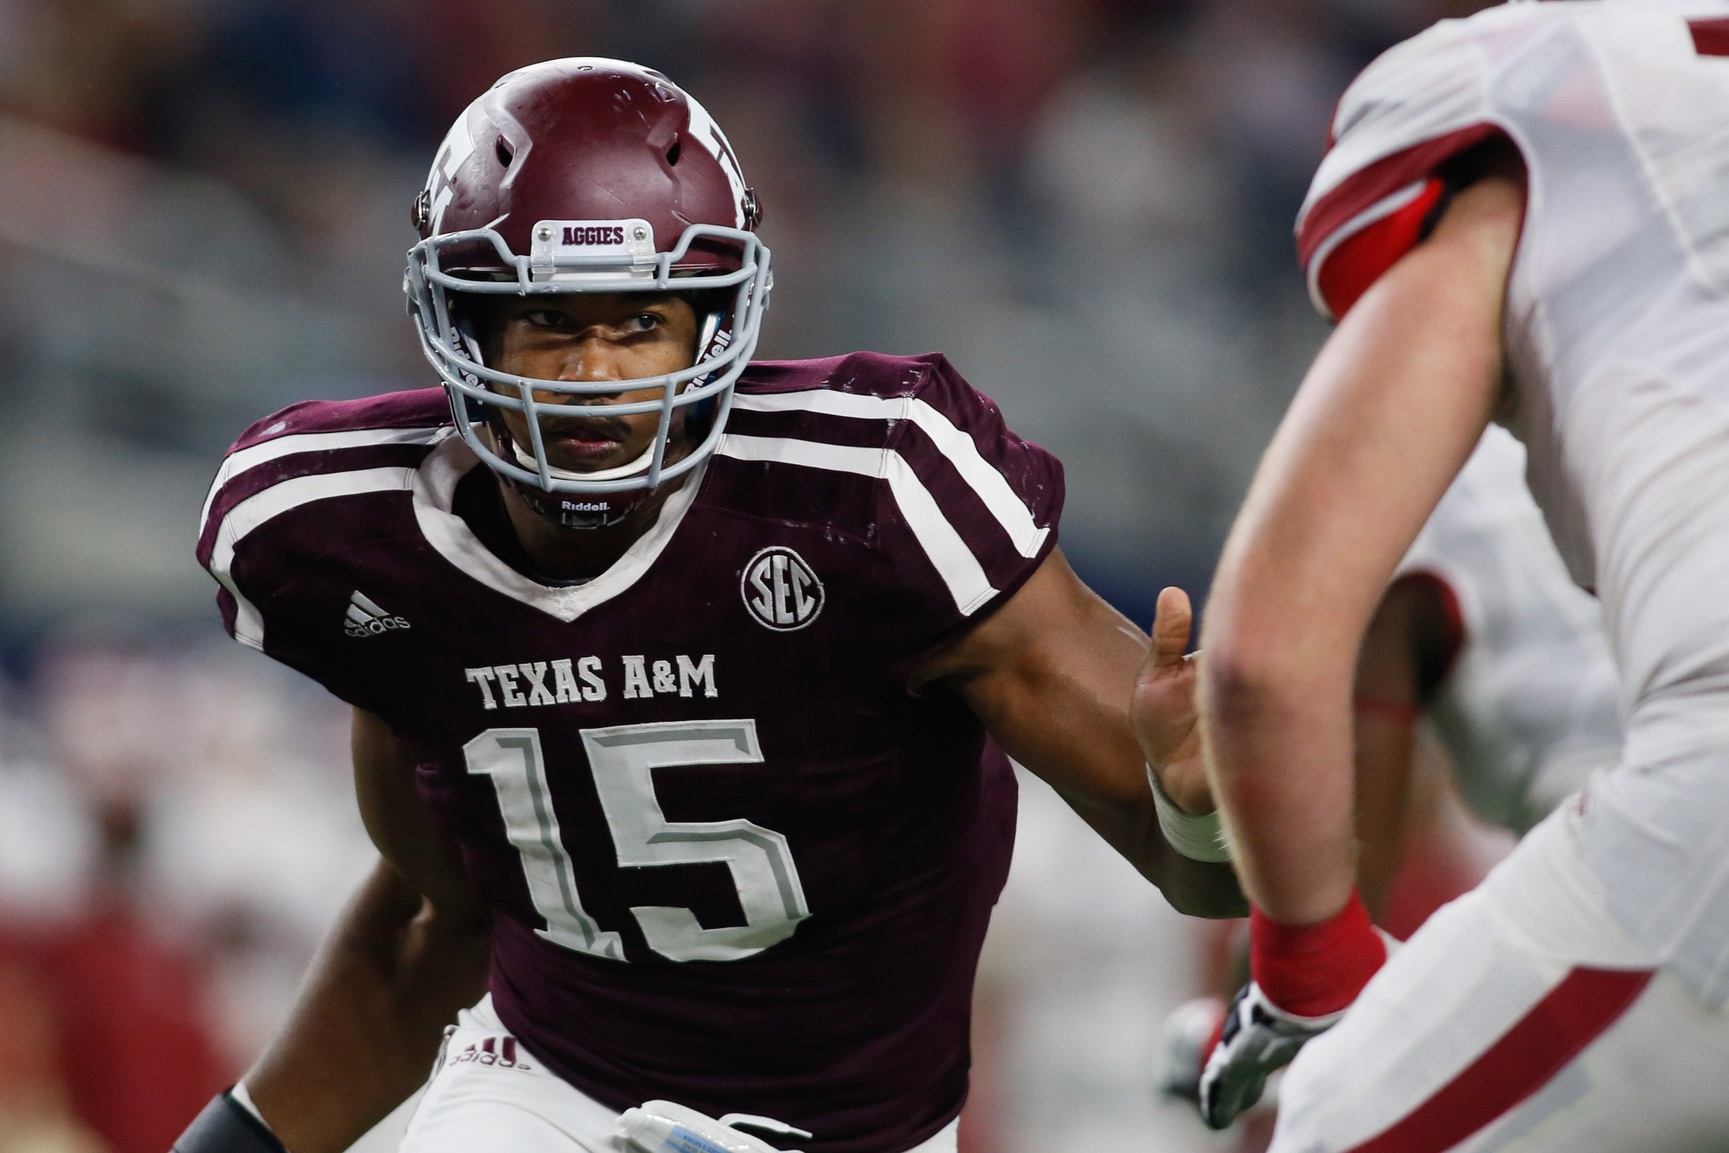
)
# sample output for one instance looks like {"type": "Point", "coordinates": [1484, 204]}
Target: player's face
{"type": "Point", "coordinates": [586, 337]}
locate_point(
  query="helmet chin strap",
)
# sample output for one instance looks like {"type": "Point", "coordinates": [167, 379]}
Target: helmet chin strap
{"type": "Point", "coordinates": [569, 509]}
{"type": "Point", "coordinates": [640, 464]}
{"type": "Point", "coordinates": [573, 510]}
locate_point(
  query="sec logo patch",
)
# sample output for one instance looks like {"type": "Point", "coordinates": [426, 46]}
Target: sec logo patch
{"type": "Point", "coordinates": [780, 590]}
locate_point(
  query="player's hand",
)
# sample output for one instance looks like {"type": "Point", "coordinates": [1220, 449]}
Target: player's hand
{"type": "Point", "coordinates": [1162, 708]}
{"type": "Point", "coordinates": [1258, 1038]}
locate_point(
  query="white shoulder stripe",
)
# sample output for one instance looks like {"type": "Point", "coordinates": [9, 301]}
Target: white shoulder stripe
{"type": "Point", "coordinates": [989, 483]}
{"type": "Point", "coordinates": [248, 458]}
{"type": "Point", "coordinates": [255, 510]}
{"type": "Point", "coordinates": [827, 402]}
{"type": "Point", "coordinates": [948, 553]}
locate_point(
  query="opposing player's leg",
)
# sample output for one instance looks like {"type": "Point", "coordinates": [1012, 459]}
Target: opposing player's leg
{"type": "Point", "coordinates": [1522, 1016]}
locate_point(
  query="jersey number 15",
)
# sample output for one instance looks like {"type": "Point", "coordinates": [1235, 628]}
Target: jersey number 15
{"type": "Point", "coordinates": [623, 759]}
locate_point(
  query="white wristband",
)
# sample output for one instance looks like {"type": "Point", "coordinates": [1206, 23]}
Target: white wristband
{"type": "Point", "coordinates": [1197, 838]}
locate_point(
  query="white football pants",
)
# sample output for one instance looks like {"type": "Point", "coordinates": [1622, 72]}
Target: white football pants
{"type": "Point", "coordinates": [1573, 1003]}
{"type": "Point", "coordinates": [488, 1094]}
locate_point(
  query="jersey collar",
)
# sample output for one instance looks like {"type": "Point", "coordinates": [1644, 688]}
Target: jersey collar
{"type": "Point", "coordinates": [434, 492]}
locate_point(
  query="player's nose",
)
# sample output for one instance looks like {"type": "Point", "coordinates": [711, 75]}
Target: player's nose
{"type": "Point", "coordinates": [589, 362]}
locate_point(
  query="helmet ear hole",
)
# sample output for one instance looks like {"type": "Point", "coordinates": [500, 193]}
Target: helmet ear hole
{"type": "Point", "coordinates": [505, 155]}
{"type": "Point", "coordinates": [672, 153]}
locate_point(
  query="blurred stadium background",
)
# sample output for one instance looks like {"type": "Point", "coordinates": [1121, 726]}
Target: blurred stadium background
{"type": "Point", "coordinates": [203, 211]}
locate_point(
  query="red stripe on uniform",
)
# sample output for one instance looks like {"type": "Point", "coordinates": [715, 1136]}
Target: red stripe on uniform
{"type": "Point", "coordinates": [1710, 37]}
{"type": "Point", "coordinates": [1352, 268]}
{"type": "Point", "coordinates": [1575, 1013]}
{"type": "Point", "coordinates": [1375, 182]}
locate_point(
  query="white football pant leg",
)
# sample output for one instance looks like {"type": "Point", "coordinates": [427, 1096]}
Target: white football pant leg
{"type": "Point", "coordinates": [944, 1140]}
{"type": "Point", "coordinates": [487, 1094]}
{"type": "Point", "coordinates": [1462, 1042]}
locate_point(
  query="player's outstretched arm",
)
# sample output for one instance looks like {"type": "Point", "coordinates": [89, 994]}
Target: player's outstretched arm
{"type": "Point", "coordinates": [1050, 673]}
{"type": "Point", "coordinates": [1388, 414]}
{"type": "Point", "coordinates": [410, 949]}
{"type": "Point", "coordinates": [1392, 407]}
{"type": "Point", "coordinates": [1403, 657]}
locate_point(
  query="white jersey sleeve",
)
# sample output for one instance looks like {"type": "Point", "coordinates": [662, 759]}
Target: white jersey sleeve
{"type": "Point", "coordinates": [1529, 707]}
{"type": "Point", "coordinates": [1417, 106]}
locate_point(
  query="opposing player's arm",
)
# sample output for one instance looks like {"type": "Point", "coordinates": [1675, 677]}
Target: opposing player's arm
{"type": "Point", "coordinates": [1387, 415]}
{"type": "Point", "coordinates": [1050, 673]}
{"type": "Point", "coordinates": [1405, 654]}
{"type": "Point", "coordinates": [409, 951]}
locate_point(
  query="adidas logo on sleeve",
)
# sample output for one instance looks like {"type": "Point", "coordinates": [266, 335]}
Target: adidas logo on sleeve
{"type": "Point", "coordinates": [365, 619]}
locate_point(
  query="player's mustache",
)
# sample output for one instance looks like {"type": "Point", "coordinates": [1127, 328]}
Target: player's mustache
{"type": "Point", "coordinates": [610, 427]}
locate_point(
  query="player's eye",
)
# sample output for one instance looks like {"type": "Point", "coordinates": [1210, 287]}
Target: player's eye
{"type": "Point", "coordinates": [642, 322]}
{"type": "Point", "coordinates": [544, 318]}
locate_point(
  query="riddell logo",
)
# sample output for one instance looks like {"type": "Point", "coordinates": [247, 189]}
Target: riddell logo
{"type": "Point", "coordinates": [602, 234]}
{"type": "Point", "coordinates": [584, 506]}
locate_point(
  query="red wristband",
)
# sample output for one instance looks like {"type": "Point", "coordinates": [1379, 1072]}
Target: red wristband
{"type": "Point", "coordinates": [1313, 970]}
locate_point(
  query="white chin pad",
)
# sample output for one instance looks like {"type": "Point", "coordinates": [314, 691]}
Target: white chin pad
{"type": "Point", "coordinates": [639, 465]}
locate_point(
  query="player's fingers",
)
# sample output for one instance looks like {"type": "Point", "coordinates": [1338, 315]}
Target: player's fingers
{"type": "Point", "coordinates": [1172, 620]}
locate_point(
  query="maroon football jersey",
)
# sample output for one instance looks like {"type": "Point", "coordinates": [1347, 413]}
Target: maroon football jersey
{"type": "Point", "coordinates": [734, 862]}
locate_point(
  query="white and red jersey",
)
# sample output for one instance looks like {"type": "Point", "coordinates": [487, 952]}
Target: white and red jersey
{"type": "Point", "coordinates": [1528, 708]}
{"type": "Point", "coordinates": [1617, 323]}
{"type": "Point", "coordinates": [1596, 956]}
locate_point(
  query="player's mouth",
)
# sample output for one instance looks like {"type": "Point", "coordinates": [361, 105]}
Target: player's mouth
{"type": "Point", "coordinates": [586, 443]}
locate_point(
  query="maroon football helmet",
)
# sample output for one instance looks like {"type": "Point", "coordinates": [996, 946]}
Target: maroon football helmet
{"type": "Point", "coordinates": [587, 175]}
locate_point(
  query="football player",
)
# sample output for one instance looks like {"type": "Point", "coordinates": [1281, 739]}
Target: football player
{"type": "Point", "coordinates": [672, 675]}
{"type": "Point", "coordinates": [1483, 632]}
{"type": "Point", "coordinates": [1521, 215]}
